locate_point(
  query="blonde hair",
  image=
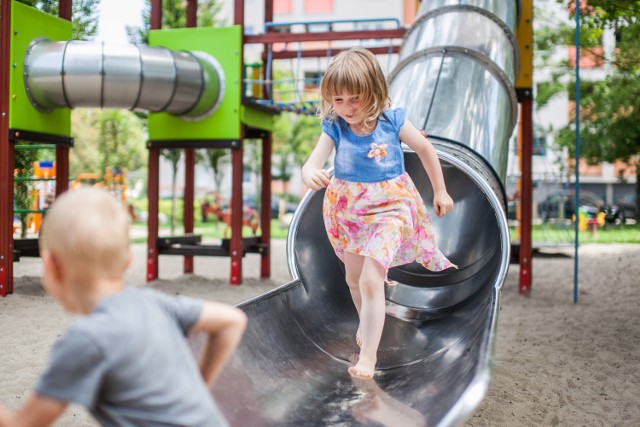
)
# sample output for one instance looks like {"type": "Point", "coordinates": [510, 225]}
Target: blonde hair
{"type": "Point", "coordinates": [88, 230]}
{"type": "Point", "coordinates": [355, 71]}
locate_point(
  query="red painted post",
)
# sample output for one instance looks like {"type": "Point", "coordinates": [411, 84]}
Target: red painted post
{"type": "Point", "coordinates": [153, 194]}
{"type": "Point", "coordinates": [65, 11]}
{"type": "Point", "coordinates": [189, 161]}
{"type": "Point", "coordinates": [192, 13]}
{"type": "Point", "coordinates": [189, 196]}
{"type": "Point", "coordinates": [265, 214]}
{"type": "Point", "coordinates": [153, 177]}
{"type": "Point", "coordinates": [526, 204]}
{"type": "Point", "coordinates": [155, 20]}
{"type": "Point", "coordinates": [236, 246]}
{"type": "Point", "coordinates": [6, 156]}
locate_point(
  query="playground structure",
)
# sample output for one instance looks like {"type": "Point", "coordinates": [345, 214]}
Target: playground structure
{"type": "Point", "coordinates": [437, 345]}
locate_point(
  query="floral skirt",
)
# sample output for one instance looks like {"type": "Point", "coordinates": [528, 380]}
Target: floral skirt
{"type": "Point", "coordinates": [386, 221]}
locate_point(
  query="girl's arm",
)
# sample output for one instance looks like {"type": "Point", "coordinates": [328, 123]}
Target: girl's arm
{"type": "Point", "coordinates": [442, 202]}
{"type": "Point", "coordinates": [225, 325]}
{"type": "Point", "coordinates": [313, 173]}
{"type": "Point", "coordinates": [38, 411]}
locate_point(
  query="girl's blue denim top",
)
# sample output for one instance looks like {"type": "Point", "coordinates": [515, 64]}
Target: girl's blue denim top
{"type": "Point", "coordinates": [375, 157]}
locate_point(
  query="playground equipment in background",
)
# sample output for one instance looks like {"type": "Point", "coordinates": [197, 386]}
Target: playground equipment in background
{"type": "Point", "coordinates": [40, 192]}
{"type": "Point", "coordinates": [212, 204]}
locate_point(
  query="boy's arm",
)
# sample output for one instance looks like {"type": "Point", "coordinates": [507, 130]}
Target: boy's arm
{"type": "Point", "coordinates": [38, 411]}
{"type": "Point", "coordinates": [225, 325]}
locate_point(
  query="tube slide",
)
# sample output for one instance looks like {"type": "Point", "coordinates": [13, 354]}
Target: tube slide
{"type": "Point", "coordinates": [455, 77]}
{"type": "Point", "coordinates": [77, 74]}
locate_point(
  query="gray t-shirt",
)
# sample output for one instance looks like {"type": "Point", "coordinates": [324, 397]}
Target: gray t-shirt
{"type": "Point", "coordinates": [128, 362]}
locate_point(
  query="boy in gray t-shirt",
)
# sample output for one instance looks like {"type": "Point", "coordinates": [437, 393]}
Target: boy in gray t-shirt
{"type": "Point", "coordinates": [126, 359]}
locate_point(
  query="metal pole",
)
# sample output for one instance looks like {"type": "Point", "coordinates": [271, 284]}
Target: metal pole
{"type": "Point", "coordinates": [577, 157]}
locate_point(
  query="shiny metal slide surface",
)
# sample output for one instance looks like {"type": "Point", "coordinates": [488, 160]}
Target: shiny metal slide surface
{"type": "Point", "coordinates": [455, 77]}
{"type": "Point", "coordinates": [77, 74]}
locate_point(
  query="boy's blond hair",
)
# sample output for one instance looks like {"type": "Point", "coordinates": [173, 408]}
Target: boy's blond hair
{"type": "Point", "coordinates": [355, 71]}
{"type": "Point", "coordinates": [88, 229]}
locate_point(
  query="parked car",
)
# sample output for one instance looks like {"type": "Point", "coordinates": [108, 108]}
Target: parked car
{"type": "Point", "coordinates": [563, 202]}
{"type": "Point", "coordinates": [628, 206]}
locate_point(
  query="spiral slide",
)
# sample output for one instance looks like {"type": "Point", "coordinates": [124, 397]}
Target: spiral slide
{"type": "Point", "coordinates": [455, 77]}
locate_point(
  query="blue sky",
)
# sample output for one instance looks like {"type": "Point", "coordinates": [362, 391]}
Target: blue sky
{"type": "Point", "coordinates": [115, 15]}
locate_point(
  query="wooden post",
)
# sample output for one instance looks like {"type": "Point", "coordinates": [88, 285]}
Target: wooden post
{"type": "Point", "coordinates": [153, 177]}
{"type": "Point", "coordinates": [62, 152]}
{"type": "Point", "coordinates": [153, 195]}
{"type": "Point", "coordinates": [189, 160]}
{"type": "Point", "coordinates": [265, 214]}
{"type": "Point", "coordinates": [236, 245]}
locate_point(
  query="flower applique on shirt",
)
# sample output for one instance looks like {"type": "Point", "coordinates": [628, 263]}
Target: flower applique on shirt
{"type": "Point", "coordinates": [377, 151]}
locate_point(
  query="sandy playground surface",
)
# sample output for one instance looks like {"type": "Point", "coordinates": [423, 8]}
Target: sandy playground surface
{"type": "Point", "coordinates": [555, 363]}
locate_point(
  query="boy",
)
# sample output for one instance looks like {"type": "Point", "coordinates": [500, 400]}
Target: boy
{"type": "Point", "coordinates": [126, 359]}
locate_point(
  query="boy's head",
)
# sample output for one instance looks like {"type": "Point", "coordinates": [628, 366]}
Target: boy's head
{"type": "Point", "coordinates": [84, 239]}
{"type": "Point", "coordinates": [355, 71]}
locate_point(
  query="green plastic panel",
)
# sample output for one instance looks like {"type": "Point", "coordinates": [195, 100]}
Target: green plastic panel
{"type": "Point", "coordinates": [257, 118]}
{"type": "Point", "coordinates": [224, 44]}
{"type": "Point", "coordinates": [28, 24]}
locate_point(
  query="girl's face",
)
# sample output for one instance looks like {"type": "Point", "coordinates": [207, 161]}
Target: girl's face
{"type": "Point", "coordinates": [349, 107]}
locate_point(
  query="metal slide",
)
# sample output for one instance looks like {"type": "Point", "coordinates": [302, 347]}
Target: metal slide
{"type": "Point", "coordinates": [455, 77]}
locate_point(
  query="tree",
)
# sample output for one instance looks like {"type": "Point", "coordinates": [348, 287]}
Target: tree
{"type": "Point", "coordinates": [610, 113]}
{"type": "Point", "coordinates": [294, 137]}
{"type": "Point", "coordinates": [173, 156]}
{"type": "Point", "coordinates": [217, 159]}
{"type": "Point", "coordinates": [85, 15]}
{"type": "Point", "coordinates": [174, 15]}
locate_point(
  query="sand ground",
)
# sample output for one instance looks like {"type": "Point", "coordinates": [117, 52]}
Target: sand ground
{"type": "Point", "coordinates": [556, 362]}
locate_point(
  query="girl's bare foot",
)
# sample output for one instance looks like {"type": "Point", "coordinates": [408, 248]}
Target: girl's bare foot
{"type": "Point", "coordinates": [364, 369]}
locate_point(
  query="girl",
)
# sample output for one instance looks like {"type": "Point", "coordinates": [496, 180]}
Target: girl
{"type": "Point", "coordinates": [373, 213]}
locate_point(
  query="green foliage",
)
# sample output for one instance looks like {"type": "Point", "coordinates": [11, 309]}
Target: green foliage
{"type": "Point", "coordinates": [106, 138]}
{"type": "Point", "coordinates": [294, 137]}
{"type": "Point", "coordinates": [609, 108]}
{"type": "Point", "coordinates": [85, 15]}
{"type": "Point", "coordinates": [174, 15]}
{"type": "Point", "coordinates": [217, 159]}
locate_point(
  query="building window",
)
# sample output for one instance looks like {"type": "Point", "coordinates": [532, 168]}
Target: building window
{"type": "Point", "coordinates": [318, 6]}
{"type": "Point", "coordinates": [282, 6]}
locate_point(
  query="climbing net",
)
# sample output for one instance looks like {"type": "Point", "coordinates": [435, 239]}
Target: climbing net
{"type": "Point", "coordinates": [295, 87]}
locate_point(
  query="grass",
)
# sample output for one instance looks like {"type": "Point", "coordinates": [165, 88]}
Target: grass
{"type": "Point", "coordinates": [212, 230]}
{"type": "Point", "coordinates": [541, 233]}
{"type": "Point", "coordinates": [560, 233]}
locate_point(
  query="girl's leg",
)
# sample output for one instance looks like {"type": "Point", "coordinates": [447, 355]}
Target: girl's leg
{"type": "Point", "coordinates": [372, 313]}
{"type": "Point", "coordinates": [353, 269]}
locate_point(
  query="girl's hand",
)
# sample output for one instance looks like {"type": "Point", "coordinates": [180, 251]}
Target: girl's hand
{"type": "Point", "coordinates": [442, 203]}
{"type": "Point", "coordinates": [319, 179]}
